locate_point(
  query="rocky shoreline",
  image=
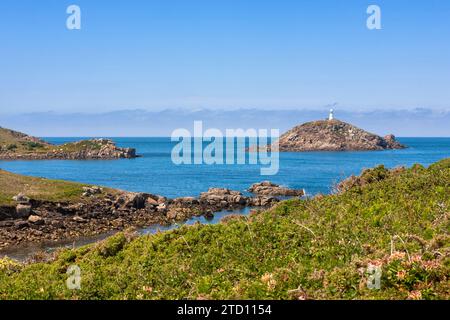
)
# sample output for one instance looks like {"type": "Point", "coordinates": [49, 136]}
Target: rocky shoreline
{"type": "Point", "coordinates": [101, 211]}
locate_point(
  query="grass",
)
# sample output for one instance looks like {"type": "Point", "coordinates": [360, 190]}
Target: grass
{"type": "Point", "coordinates": [314, 249]}
{"type": "Point", "coordinates": [38, 189]}
{"type": "Point", "coordinates": [79, 145]}
{"type": "Point", "coordinates": [13, 141]}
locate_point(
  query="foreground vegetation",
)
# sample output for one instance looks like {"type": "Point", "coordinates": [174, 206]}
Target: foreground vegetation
{"type": "Point", "coordinates": [315, 249]}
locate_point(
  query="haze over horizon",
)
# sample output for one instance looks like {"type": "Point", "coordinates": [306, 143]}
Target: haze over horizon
{"type": "Point", "coordinates": [142, 123]}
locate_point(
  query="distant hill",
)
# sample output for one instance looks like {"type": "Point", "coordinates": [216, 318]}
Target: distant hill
{"type": "Point", "coordinates": [333, 135]}
{"type": "Point", "coordinates": [17, 145]}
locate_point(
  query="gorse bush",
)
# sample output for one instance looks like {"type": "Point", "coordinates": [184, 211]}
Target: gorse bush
{"type": "Point", "coordinates": [11, 147]}
{"type": "Point", "coordinates": [319, 248]}
{"type": "Point", "coordinates": [33, 145]}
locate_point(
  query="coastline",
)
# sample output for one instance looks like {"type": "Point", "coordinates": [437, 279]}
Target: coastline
{"type": "Point", "coordinates": [93, 211]}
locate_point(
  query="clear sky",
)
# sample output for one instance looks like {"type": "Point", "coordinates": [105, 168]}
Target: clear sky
{"type": "Point", "coordinates": [156, 54]}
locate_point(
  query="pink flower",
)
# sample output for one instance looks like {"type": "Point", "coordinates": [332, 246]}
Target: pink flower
{"type": "Point", "coordinates": [401, 274]}
{"type": "Point", "coordinates": [415, 295]}
{"type": "Point", "coordinates": [397, 255]}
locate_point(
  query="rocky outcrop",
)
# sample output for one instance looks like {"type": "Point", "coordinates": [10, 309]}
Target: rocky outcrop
{"type": "Point", "coordinates": [271, 189]}
{"type": "Point", "coordinates": [221, 199]}
{"type": "Point", "coordinates": [332, 135]}
{"type": "Point", "coordinates": [101, 211]}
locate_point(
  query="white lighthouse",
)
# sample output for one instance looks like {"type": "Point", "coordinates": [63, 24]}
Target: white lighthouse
{"type": "Point", "coordinates": [331, 116]}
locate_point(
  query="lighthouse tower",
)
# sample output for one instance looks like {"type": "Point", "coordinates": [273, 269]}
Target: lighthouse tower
{"type": "Point", "coordinates": [331, 116]}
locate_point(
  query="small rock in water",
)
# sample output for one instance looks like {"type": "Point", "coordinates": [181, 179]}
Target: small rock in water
{"type": "Point", "coordinates": [209, 215]}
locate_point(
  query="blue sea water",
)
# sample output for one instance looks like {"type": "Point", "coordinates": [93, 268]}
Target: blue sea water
{"type": "Point", "coordinates": [155, 172]}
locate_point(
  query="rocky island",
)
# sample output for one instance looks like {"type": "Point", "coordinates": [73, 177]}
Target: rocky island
{"type": "Point", "coordinates": [16, 145]}
{"type": "Point", "coordinates": [332, 135]}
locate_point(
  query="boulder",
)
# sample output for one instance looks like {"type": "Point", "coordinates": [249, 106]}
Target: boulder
{"type": "Point", "coordinates": [36, 220]}
{"type": "Point", "coordinates": [240, 200]}
{"type": "Point", "coordinates": [268, 201]}
{"type": "Point", "coordinates": [185, 201]}
{"type": "Point", "coordinates": [179, 214]}
{"type": "Point", "coordinates": [21, 224]}
{"type": "Point", "coordinates": [392, 143]}
{"type": "Point", "coordinates": [271, 189]}
{"type": "Point", "coordinates": [152, 202]}
{"type": "Point", "coordinates": [91, 191]}
{"type": "Point", "coordinates": [134, 200]}
{"type": "Point", "coordinates": [222, 197]}
{"type": "Point", "coordinates": [161, 199]}
{"type": "Point", "coordinates": [21, 198]}
{"type": "Point", "coordinates": [23, 210]}
{"type": "Point", "coordinates": [162, 207]}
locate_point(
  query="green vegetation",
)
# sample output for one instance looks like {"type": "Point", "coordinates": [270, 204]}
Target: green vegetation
{"type": "Point", "coordinates": [313, 249]}
{"type": "Point", "coordinates": [33, 145]}
{"type": "Point", "coordinates": [80, 145]}
{"type": "Point", "coordinates": [11, 147]}
{"type": "Point", "coordinates": [38, 189]}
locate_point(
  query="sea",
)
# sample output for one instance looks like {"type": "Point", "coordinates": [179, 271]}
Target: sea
{"type": "Point", "coordinates": [155, 172]}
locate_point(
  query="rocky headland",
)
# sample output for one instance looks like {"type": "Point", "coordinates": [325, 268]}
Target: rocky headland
{"type": "Point", "coordinates": [15, 145]}
{"type": "Point", "coordinates": [332, 135]}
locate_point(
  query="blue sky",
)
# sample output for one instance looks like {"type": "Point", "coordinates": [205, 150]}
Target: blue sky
{"type": "Point", "coordinates": [217, 54]}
